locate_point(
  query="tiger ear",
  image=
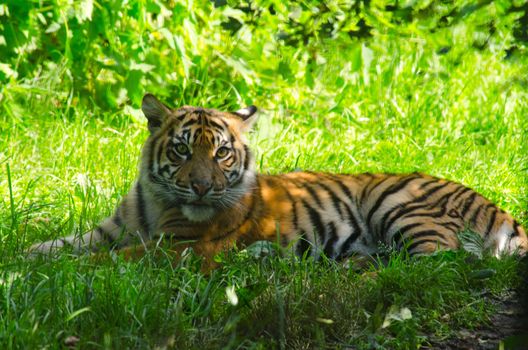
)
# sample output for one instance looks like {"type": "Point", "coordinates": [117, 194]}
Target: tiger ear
{"type": "Point", "coordinates": [248, 115]}
{"type": "Point", "coordinates": [155, 111]}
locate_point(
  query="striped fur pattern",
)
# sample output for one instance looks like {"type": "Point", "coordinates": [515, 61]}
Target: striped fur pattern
{"type": "Point", "coordinates": [197, 185]}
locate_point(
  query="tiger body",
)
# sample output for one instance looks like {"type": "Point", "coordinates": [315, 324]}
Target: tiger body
{"type": "Point", "coordinates": [197, 186]}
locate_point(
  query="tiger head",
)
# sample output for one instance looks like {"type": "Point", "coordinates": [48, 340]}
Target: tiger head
{"type": "Point", "coordinates": [197, 159]}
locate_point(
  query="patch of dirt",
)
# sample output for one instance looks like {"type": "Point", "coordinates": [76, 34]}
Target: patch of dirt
{"type": "Point", "coordinates": [508, 328]}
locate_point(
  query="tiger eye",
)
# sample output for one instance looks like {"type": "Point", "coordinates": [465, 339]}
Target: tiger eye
{"type": "Point", "coordinates": [181, 148]}
{"type": "Point", "coordinates": [222, 152]}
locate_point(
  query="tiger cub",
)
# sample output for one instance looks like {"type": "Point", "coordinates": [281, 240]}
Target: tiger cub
{"type": "Point", "coordinates": [197, 184]}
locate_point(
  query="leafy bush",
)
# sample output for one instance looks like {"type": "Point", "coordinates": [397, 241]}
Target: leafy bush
{"type": "Point", "coordinates": [108, 53]}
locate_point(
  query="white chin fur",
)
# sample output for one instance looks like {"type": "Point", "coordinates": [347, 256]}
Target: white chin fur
{"type": "Point", "coordinates": [197, 212]}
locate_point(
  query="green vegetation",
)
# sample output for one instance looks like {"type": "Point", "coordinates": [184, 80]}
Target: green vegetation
{"type": "Point", "coordinates": [377, 86]}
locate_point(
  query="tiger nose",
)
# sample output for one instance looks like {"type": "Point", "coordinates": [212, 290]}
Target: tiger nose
{"type": "Point", "coordinates": [201, 187]}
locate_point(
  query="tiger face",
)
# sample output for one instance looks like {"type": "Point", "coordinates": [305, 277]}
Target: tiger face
{"type": "Point", "coordinates": [197, 159]}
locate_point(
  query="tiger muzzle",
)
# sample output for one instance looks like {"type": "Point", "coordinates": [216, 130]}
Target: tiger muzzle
{"type": "Point", "coordinates": [201, 187]}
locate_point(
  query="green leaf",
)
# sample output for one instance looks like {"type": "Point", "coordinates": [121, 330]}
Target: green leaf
{"type": "Point", "coordinates": [77, 313]}
{"type": "Point", "coordinates": [53, 28]}
{"type": "Point", "coordinates": [472, 243]}
{"type": "Point", "coordinates": [4, 10]}
{"type": "Point", "coordinates": [367, 56]}
{"type": "Point", "coordinates": [143, 67]}
{"type": "Point", "coordinates": [84, 11]}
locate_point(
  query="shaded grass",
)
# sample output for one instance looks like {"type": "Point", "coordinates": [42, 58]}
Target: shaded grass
{"type": "Point", "coordinates": [282, 302]}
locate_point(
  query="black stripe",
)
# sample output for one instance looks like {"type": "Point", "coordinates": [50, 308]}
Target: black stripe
{"type": "Point", "coordinates": [341, 185]}
{"type": "Point", "coordinates": [316, 221]}
{"type": "Point", "coordinates": [428, 182]}
{"type": "Point", "coordinates": [331, 241]}
{"type": "Point", "coordinates": [218, 127]}
{"type": "Point", "coordinates": [227, 165]}
{"type": "Point", "coordinates": [172, 155]}
{"type": "Point", "coordinates": [367, 174]}
{"type": "Point", "coordinates": [389, 191]}
{"type": "Point", "coordinates": [440, 202]}
{"type": "Point", "coordinates": [303, 245]}
{"type": "Point", "coordinates": [107, 237]}
{"type": "Point", "coordinates": [516, 229]}
{"type": "Point", "coordinates": [117, 219]}
{"type": "Point", "coordinates": [171, 175]}
{"type": "Point", "coordinates": [426, 233]}
{"type": "Point", "coordinates": [236, 155]}
{"type": "Point", "coordinates": [398, 211]}
{"type": "Point", "coordinates": [465, 190]}
{"type": "Point", "coordinates": [224, 122]}
{"type": "Point", "coordinates": [241, 174]}
{"type": "Point", "coordinates": [246, 157]}
{"type": "Point", "coordinates": [364, 192]}
{"type": "Point", "coordinates": [352, 237]}
{"type": "Point", "coordinates": [181, 117]}
{"type": "Point", "coordinates": [196, 134]}
{"type": "Point", "coordinates": [143, 222]}
{"type": "Point", "coordinates": [237, 175]}
{"type": "Point", "coordinates": [352, 220]}
{"type": "Point", "coordinates": [284, 241]}
{"type": "Point", "coordinates": [151, 154]}
{"type": "Point", "coordinates": [451, 226]}
{"type": "Point", "coordinates": [435, 189]}
{"type": "Point", "coordinates": [491, 221]}
{"type": "Point", "coordinates": [345, 247]}
{"type": "Point", "coordinates": [164, 169]}
{"type": "Point", "coordinates": [402, 209]}
{"type": "Point", "coordinates": [397, 238]}
{"type": "Point", "coordinates": [467, 204]}
{"type": "Point", "coordinates": [179, 139]}
{"type": "Point", "coordinates": [313, 194]}
{"type": "Point", "coordinates": [474, 217]}
{"type": "Point", "coordinates": [333, 196]}
{"type": "Point", "coordinates": [189, 123]}
{"type": "Point", "coordinates": [441, 209]}
{"type": "Point", "coordinates": [344, 250]}
{"type": "Point", "coordinates": [185, 136]}
{"type": "Point", "coordinates": [458, 192]}
{"type": "Point", "coordinates": [233, 175]}
{"type": "Point", "coordinates": [242, 169]}
{"type": "Point", "coordinates": [416, 244]}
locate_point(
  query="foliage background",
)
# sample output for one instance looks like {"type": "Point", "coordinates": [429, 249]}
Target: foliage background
{"type": "Point", "coordinates": [225, 52]}
{"type": "Point", "coordinates": [344, 86]}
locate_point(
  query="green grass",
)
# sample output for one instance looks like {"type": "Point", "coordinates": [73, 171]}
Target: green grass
{"type": "Point", "coordinates": [65, 164]}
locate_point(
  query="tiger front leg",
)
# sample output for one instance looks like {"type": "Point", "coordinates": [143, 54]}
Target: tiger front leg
{"type": "Point", "coordinates": [114, 232]}
{"type": "Point", "coordinates": [107, 235]}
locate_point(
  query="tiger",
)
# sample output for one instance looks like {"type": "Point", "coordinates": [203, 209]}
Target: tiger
{"type": "Point", "coordinates": [198, 186]}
